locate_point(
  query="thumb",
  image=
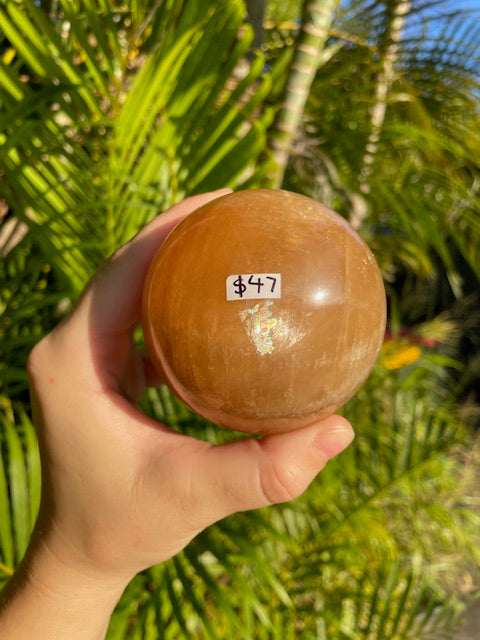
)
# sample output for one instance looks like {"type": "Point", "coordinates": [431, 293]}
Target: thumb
{"type": "Point", "coordinates": [249, 474]}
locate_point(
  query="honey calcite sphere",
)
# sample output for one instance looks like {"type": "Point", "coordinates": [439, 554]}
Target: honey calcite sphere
{"type": "Point", "coordinates": [264, 311]}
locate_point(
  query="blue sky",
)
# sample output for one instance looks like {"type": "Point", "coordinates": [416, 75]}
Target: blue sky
{"type": "Point", "coordinates": [458, 5]}
{"type": "Point", "coordinates": [436, 23]}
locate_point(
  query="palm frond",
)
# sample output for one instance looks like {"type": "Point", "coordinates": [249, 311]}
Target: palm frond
{"type": "Point", "coordinates": [29, 301]}
{"type": "Point", "coordinates": [108, 114]}
{"type": "Point", "coordinates": [423, 177]}
{"type": "Point", "coordinates": [357, 555]}
{"type": "Point", "coordinates": [109, 130]}
{"type": "Point", "coordinates": [19, 487]}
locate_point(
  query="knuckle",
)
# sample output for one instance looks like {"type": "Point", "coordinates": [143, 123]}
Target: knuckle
{"type": "Point", "coordinates": [280, 483]}
{"type": "Point", "coordinates": [37, 358]}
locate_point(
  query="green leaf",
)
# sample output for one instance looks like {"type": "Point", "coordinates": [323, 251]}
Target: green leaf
{"type": "Point", "coordinates": [6, 538]}
{"type": "Point", "coordinates": [32, 461]}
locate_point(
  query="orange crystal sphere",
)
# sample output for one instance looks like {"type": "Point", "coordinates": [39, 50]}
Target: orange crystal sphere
{"type": "Point", "coordinates": [264, 311]}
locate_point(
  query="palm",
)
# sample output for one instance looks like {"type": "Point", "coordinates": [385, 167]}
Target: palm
{"type": "Point", "coordinates": [108, 116]}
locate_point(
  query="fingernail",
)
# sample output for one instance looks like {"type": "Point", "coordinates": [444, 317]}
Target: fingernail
{"type": "Point", "coordinates": [330, 443]}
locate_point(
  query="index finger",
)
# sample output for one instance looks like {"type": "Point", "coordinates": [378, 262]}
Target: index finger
{"type": "Point", "coordinates": [117, 287]}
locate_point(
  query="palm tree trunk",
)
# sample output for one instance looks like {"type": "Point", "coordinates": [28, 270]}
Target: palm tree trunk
{"type": "Point", "coordinates": [316, 21]}
{"type": "Point", "coordinates": [397, 12]}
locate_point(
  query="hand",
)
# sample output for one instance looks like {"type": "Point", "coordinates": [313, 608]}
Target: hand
{"type": "Point", "coordinates": [120, 491]}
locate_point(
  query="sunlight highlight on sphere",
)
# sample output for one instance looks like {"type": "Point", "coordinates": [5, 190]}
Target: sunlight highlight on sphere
{"type": "Point", "coordinates": [320, 295]}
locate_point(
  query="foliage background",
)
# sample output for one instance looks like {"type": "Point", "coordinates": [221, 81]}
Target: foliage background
{"type": "Point", "coordinates": [110, 112]}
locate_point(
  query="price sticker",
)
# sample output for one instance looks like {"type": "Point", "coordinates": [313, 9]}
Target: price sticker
{"type": "Point", "coordinates": [254, 286]}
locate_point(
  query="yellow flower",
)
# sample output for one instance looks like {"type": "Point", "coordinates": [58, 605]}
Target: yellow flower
{"type": "Point", "coordinates": [396, 355]}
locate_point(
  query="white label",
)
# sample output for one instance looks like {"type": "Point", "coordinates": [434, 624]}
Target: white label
{"type": "Point", "coordinates": [254, 286]}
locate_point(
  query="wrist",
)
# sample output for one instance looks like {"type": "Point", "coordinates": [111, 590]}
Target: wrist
{"type": "Point", "coordinates": [68, 598]}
